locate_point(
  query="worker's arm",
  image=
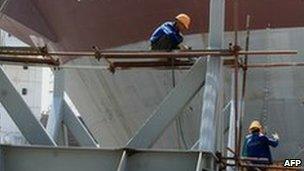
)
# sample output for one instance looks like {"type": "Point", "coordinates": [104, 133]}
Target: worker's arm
{"type": "Point", "coordinates": [184, 47]}
{"type": "Point", "coordinates": [175, 37]}
{"type": "Point", "coordinates": [244, 149]}
{"type": "Point", "coordinates": [272, 141]}
{"type": "Point", "coordinates": [163, 43]}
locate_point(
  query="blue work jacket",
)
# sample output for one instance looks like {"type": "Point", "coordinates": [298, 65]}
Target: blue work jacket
{"type": "Point", "coordinates": [169, 30]}
{"type": "Point", "coordinates": [257, 145]}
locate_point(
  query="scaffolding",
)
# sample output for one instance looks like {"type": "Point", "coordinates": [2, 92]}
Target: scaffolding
{"type": "Point", "coordinates": [40, 57]}
{"type": "Point", "coordinates": [136, 153]}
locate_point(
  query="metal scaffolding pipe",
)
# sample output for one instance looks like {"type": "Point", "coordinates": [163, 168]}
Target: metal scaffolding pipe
{"type": "Point", "coordinates": [243, 88]}
{"type": "Point", "coordinates": [270, 167]}
{"type": "Point", "coordinates": [236, 77]}
{"type": "Point", "coordinates": [268, 52]}
{"type": "Point", "coordinates": [32, 60]}
{"type": "Point", "coordinates": [139, 64]}
{"type": "Point", "coordinates": [247, 159]}
{"type": "Point", "coordinates": [113, 54]}
{"type": "Point", "coordinates": [179, 54]}
{"type": "Point", "coordinates": [15, 51]}
{"type": "Point", "coordinates": [271, 65]}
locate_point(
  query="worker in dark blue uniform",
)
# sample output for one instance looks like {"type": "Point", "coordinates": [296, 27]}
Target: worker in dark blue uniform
{"type": "Point", "coordinates": [168, 36]}
{"type": "Point", "coordinates": [257, 144]}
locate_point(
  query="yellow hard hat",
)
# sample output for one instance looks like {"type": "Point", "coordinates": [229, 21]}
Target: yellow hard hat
{"type": "Point", "coordinates": [184, 19]}
{"type": "Point", "coordinates": [255, 124]}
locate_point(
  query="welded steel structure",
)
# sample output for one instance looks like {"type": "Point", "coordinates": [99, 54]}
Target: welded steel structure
{"type": "Point", "coordinates": [138, 109]}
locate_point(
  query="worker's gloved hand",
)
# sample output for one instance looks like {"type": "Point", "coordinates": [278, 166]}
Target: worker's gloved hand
{"type": "Point", "coordinates": [276, 136]}
{"type": "Point", "coordinates": [184, 47]}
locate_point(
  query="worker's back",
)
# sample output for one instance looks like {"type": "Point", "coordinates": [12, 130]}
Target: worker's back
{"type": "Point", "coordinates": [257, 145]}
{"type": "Point", "coordinates": [166, 37]}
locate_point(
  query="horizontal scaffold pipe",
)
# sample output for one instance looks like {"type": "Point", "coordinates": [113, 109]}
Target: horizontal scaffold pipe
{"type": "Point", "coordinates": [173, 54]}
{"type": "Point", "coordinates": [247, 159]}
{"type": "Point", "coordinates": [33, 60]}
{"type": "Point", "coordinates": [270, 167]}
{"type": "Point", "coordinates": [139, 64]}
{"type": "Point", "coordinates": [119, 54]}
{"type": "Point", "coordinates": [273, 65]}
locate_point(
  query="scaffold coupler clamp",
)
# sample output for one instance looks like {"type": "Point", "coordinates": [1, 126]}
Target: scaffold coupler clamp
{"type": "Point", "coordinates": [235, 49]}
{"type": "Point", "coordinates": [111, 68]}
{"type": "Point", "coordinates": [43, 50]}
{"type": "Point", "coordinates": [97, 53]}
{"type": "Point", "coordinates": [98, 56]}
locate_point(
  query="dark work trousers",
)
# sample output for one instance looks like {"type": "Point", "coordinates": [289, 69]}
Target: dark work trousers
{"type": "Point", "coordinates": [164, 43]}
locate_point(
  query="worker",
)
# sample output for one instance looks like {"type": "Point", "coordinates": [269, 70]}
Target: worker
{"type": "Point", "coordinates": [256, 144]}
{"type": "Point", "coordinates": [168, 36]}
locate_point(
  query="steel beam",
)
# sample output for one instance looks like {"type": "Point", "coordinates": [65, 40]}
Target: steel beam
{"type": "Point", "coordinates": [123, 162]}
{"type": "Point", "coordinates": [21, 114]}
{"type": "Point", "coordinates": [202, 162]}
{"type": "Point", "coordinates": [64, 113]}
{"type": "Point", "coordinates": [213, 88]}
{"type": "Point", "coordinates": [161, 160]}
{"type": "Point", "coordinates": [2, 159]}
{"type": "Point", "coordinates": [232, 133]}
{"type": "Point", "coordinates": [32, 158]}
{"type": "Point", "coordinates": [54, 125]}
{"type": "Point", "coordinates": [170, 107]}
{"type": "Point", "coordinates": [65, 159]}
{"type": "Point", "coordinates": [77, 128]}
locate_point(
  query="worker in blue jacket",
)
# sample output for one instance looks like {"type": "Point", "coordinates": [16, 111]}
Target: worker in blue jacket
{"type": "Point", "coordinates": [168, 36]}
{"type": "Point", "coordinates": [257, 144]}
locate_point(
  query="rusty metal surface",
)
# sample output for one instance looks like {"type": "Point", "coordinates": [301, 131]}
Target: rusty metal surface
{"type": "Point", "coordinates": [46, 61]}
{"type": "Point", "coordinates": [153, 54]}
{"type": "Point", "coordinates": [152, 64]}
